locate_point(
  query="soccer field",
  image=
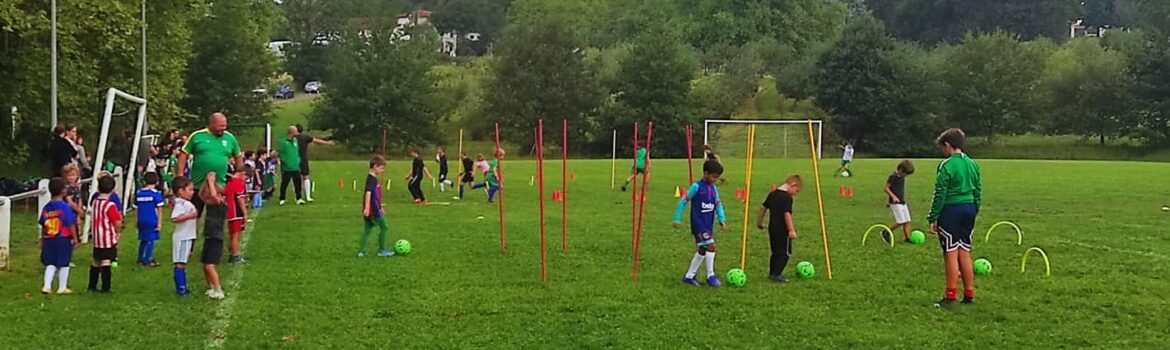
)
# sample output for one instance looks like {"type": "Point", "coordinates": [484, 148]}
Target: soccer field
{"type": "Point", "coordinates": [304, 287]}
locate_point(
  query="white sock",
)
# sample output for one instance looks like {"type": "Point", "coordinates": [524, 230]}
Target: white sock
{"type": "Point", "coordinates": [443, 186]}
{"type": "Point", "coordinates": [49, 271]}
{"type": "Point", "coordinates": [710, 264]}
{"type": "Point", "coordinates": [308, 188]}
{"type": "Point", "coordinates": [695, 262]}
{"type": "Point", "coordinates": [62, 278]}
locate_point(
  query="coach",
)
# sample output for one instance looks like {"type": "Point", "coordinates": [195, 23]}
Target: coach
{"type": "Point", "coordinates": [303, 142]}
{"type": "Point", "coordinates": [210, 150]}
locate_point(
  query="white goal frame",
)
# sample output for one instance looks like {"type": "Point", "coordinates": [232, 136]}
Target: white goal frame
{"type": "Point", "coordinates": [107, 115]}
{"type": "Point", "coordinates": [819, 124]}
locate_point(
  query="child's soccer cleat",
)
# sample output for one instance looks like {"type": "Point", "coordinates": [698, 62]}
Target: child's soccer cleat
{"type": "Point", "coordinates": [361, 254]}
{"type": "Point", "coordinates": [778, 278]}
{"type": "Point", "coordinates": [217, 295]}
{"type": "Point", "coordinates": [690, 281]}
{"type": "Point", "coordinates": [968, 300]}
{"type": "Point", "coordinates": [944, 303]}
{"type": "Point", "coordinates": [300, 202]}
{"type": "Point", "coordinates": [623, 188]}
{"type": "Point", "coordinates": [385, 253]}
{"type": "Point", "coordinates": [209, 292]}
{"type": "Point", "coordinates": [65, 291]}
{"type": "Point", "coordinates": [714, 281]}
{"type": "Point", "coordinates": [309, 199]}
{"type": "Point", "coordinates": [46, 291]}
{"type": "Point", "coordinates": [281, 203]}
{"type": "Point", "coordinates": [183, 293]}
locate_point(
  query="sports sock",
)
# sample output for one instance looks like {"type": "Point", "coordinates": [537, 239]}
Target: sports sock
{"type": "Point", "coordinates": [710, 264]}
{"type": "Point", "coordinates": [969, 293]}
{"type": "Point", "coordinates": [50, 270]}
{"type": "Point", "coordinates": [94, 271]}
{"type": "Point", "coordinates": [381, 236]}
{"type": "Point", "coordinates": [107, 276]}
{"type": "Point", "coordinates": [142, 252]}
{"type": "Point", "coordinates": [62, 278]}
{"type": "Point", "coordinates": [148, 255]}
{"type": "Point", "coordinates": [308, 188]}
{"type": "Point", "coordinates": [951, 293]}
{"type": "Point", "coordinates": [443, 186]}
{"type": "Point", "coordinates": [695, 262]}
{"type": "Point", "coordinates": [460, 191]}
{"type": "Point", "coordinates": [180, 280]}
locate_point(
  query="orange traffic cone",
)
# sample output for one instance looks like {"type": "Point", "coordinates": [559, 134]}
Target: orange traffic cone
{"type": "Point", "coordinates": [849, 192]}
{"type": "Point", "coordinates": [574, 176]}
{"type": "Point", "coordinates": [340, 183]}
{"type": "Point", "coordinates": [678, 192]}
{"type": "Point", "coordinates": [841, 191]}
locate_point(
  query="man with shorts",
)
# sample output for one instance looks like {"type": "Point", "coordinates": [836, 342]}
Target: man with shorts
{"type": "Point", "coordinates": [213, 149]}
{"type": "Point", "coordinates": [303, 142]}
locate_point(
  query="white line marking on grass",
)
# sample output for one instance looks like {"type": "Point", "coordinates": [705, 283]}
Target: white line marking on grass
{"type": "Point", "coordinates": [1119, 250]}
{"type": "Point", "coordinates": [223, 313]}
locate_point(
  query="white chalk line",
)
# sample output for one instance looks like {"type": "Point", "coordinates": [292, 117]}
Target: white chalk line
{"type": "Point", "coordinates": [1119, 250]}
{"type": "Point", "coordinates": [223, 313]}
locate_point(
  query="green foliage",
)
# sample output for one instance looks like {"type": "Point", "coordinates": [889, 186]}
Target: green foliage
{"type": "Point", "coordinates": [231, 59]}
{"type": "Point", "coordinates": [991, 84]}
{"type": "Point", "coordinates": [379, 83]}
{"type": "Point", "coordinates": [1087, 91]}
{"type": "Point", "coordinates": [654, 85]}
{"type": "Point", "coordinates": [487, 17]}
{"type": "Point", "coordinates": [795, 23]}
{"type": "Point", "coordinates": [1149, 68]}
{"type": "Point", "coordinates": [938, 21]}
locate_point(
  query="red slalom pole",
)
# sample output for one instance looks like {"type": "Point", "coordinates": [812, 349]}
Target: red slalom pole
{"type": "Point", "coordinates": [500, 177]}
{"type": "Point", "coordinates": [634, 196]}
{"type": "Point", "coordinates": [540, 177]}
{"type": "Point", "coordinates": [690, 150]}
{"type": "Point", "coordinates": [642, 211]}
{"type": "Point", "coordinates": [564, 185]}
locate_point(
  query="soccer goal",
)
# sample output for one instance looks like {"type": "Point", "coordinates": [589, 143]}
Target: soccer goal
{"type": "Point", "coordinates": [780, 139]}
{"type": "Point", "coordinates": [112, 96]}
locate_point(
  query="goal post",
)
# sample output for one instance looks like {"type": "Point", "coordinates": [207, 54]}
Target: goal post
{"type": "Point", "coordinates": [107, 115]}
{"type": "Point", "coordinates": [797, 137]}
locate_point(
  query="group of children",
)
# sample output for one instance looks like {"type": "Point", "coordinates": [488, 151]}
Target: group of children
{"type": "Point", "coordinates": [418, 170]}
{"type": "Point", "coordinates": [955, 204]}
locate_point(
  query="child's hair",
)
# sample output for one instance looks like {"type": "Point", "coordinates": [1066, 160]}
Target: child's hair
{"type": "Point", "coordinates": [906, 167]}
{"type": "Point", "coordinates": [712, 167]}
{"type": "Point", "coordinates": [70, 169]}
{"type": "Point", "coordinates": [414, 151]}
{"type": "Point", "coordinates": [377, 161]}
{"type": "Point", "coordinates": [245, 169]}
{"type": "Point", "coordinates": [106, 184]}
{"type": "Point", "coordinates": [57, 186]}
{"type": "Point", "coordinates": [479, 157]}
{"type": "Point", "coordinates": [181, 182]}
{"type": "Point", "coordinates": [248, 154]}
{"type": "Point", "coordinates": [150, 178]}
{"type": "Point", "coordinates": [794, 179]}
{"type": "Point", "coordinates": [442, 149]}
{"type": "Point", "coordinates": [954, 137]}
{"type": "Point", "coordinates": [300, 128]}
{"type": "Point", "coordinates": [500, 153]}
{"type": "Point", "coordinates": [706, 147]}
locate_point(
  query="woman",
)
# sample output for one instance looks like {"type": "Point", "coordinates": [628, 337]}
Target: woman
{"type": "Point", "coordinates": [61, 149]}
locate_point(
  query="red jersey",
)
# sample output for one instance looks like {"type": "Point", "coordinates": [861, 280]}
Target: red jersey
{"type": "Point", "coordinates": [232, 193]}
{"type": "Point", "coordinates": [105, 215]}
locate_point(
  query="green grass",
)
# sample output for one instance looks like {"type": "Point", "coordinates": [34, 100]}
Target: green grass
{"type": "Point", "coordinates": [1099, 222]}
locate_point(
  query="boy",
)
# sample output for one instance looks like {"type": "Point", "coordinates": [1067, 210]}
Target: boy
{"type": "Point", "coordinates": [149, 202]}
{"type": "Point", "coordinates": [846, 159]}
{"type": "Point", "coordinates": [184, 216]}
{"type": "Point", "coordinates": [269, 181]}
{"type": "Point", "coordinates": [705, 208]}
{"type": "Point", "coordinates": [781, 230]}
{"type": "Point", "coordinates": [441, 157]}
{"type": "Point", "coordinates": [491, 177]}
{"type": "Point", "coordinates": [958, 192]}
{"type": "Point", "coordinates": [372, 209]}
{"type": "Point", "coordinates": [896, 190]}
{"type": "Point", "coordinates": [468, 176]}
{"type": "Point", "coordinates": [640, 167]}
{"type": "Point", "coordinates": [237, 204]}
{"type": "Point", "coordinates": [107, 225]}
{"type": "Point", "coordinates": [213, 234]}
{"type": "Point", "coordinates": [58, 238]}
{"type": "Point", "coordinates": [414, 179]}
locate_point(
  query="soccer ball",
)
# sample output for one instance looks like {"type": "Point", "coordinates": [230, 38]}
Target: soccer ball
{"type": "Point", "coordinates": [982, 267]}
{"type": "Point", "coordinates": [736, 278]}
{"type": "Point", "coordinates": [402, 247]}
{"type": "Point", "coordinates": [805, 270]}
{"type": "Point", "coordinates": [846, 173]}
{"type": "Point", "coordinates": [917, 237]}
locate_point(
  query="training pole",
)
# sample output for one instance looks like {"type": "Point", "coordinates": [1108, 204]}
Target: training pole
{"type": "Point", "coordinates": [690, 150]}
{"type": "Point", "coordinates": [459, 179]}
{"type": "Point", "coordinates": [747, 199]}
{"type": "Point", "coordinates": [642, 208]}
{"type": "Point", "coordinates": [613, 164]}
{"type": "Point", "coordinates": [500, 178]}
{"type": "Point", "coordinates": [634, 198]}
{"type": "Point", "coordinates": [820, 201]}
{"type": "Point", "coordinates": [540, 177]}
{"type": "Point", "coordinates": [564, 185]}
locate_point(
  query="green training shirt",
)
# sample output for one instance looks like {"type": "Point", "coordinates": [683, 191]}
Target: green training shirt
{"type": "Point", "coordinates": [957, 182]}
{"type": "Point", "coordinates": [640, 160]}
{"type": "Point", "coordinates": [290, 156]}
{"type": "Point", "coordinates": [210, 153]}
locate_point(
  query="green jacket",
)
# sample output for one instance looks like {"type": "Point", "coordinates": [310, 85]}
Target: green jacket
{"type": "Point", "coordinates": [958, 182]}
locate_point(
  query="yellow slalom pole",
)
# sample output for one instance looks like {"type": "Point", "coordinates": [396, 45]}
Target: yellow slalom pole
{"type": "Point", "coordinates": [820, 199]}
{"type": "Point", "coordinates": [751, 149]}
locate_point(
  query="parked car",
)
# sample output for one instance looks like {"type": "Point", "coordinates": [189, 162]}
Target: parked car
{"type": "Point", "coordinates": [313, 87]}
{"type": "Point", "coordinates": [284, 92]}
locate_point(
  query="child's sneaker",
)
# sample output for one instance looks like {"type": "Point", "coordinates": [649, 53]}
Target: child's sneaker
{"type": "Point", "coordinates": [385, 253]}
{"type": "Point", "coordinates": [361, 254]}
{"type": "Point", "coordinates": [300, 202]}
{"type": "Point", "coordinates": [623, 188]}
{"type": "Point", "coordinates": [778, 278]}
{"type": "Point", "coordinates": [46, 291]}
{"type": "Point", "coordinates": [945, 303]}
{"type": "Point", "coordinates": [217, 295]}
{"type": "Point", "coordinates": [968, 300]}
{"type": "Point", "coordinates": [714, 281]}
{"type": "Point", "coordinates": [281, 203]}
{"type": "Point", "coordinates": [209, 292]}
{"type": "Point", "coordinates": [690, 281]}
{"type": "Point", "coordinates": [65, 291]}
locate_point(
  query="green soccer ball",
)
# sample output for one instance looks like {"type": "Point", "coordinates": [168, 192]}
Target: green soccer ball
{"type": "Point", "coordinates": [805, 270]}
{"type": "Point", "coordinates": [917, 237]}
{"type": "Point", "coordinates": [114, 265]}
{"type": "Point", "coordinates": [402, 247]}
{"type": "Point", "coordinates": [736, 278]}
{"type": "Point", "coordinates": [982, 267]}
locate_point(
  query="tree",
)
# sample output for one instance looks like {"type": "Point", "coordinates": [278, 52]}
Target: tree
{"type": "Point", "coordinates": [540, 72]}
{"type": "Point", "coordinates": [1148, 69]}
{"type": "Point", "coordinates": [732, 79]}
{"type": "Point", "coordinates": [1087, 91]}
{"type": "Point", "coordinates": [231, 59]}
{"type": "Point", "coordinates": [486, 17]}
{"type": "Point", "coordinates": [991, 84]}
{"type": "Point", "coordinates": [653, 84]}
{"type": "Point", "coordinates": [380, 84]}
{"type": "Point", "coordinates": [931, 22]}
{"type": "Point", "coordinates": [796, 23]}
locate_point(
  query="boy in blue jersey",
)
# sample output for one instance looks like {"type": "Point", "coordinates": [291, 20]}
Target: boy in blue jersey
{"type": "Point", "coordinates": [58, 237]}
{"type": "Point", "coordinates": [705, 208]}
{"type": "Point", "coordinates": [372, 210]}
{"type": "Point", "coordinates": [149, 202]}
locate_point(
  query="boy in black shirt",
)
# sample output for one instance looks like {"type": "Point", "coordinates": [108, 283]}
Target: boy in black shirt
{"type": "Point", "coordinates": [441, 157]}
{"type": "Point", "coordinates": [414, 180]}
{"type": "Point", "coordinates": [896, 190]}
{"type": "Point", "coordinates": [781, 230]}
{"type": "Point", "coordinates": [468, 173]}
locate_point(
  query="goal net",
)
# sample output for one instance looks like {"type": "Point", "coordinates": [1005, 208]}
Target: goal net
{"type": "Point", "coordinates": [126, 191]}
{"type": "Point", "coordinates": [775, 139]}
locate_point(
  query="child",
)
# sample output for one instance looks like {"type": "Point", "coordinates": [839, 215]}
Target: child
{"type": "Point", "coordinates": [468, 176]}
{"type": "Point", "coordinates": [237, 204]}
{"type": "Point", "coordinates": [640, 167]}
{"type": "Point", "coordinates": [896, 190]}
{"type": "Point", "coordinates": [491, 177]}
{"type": "Point", "coordinates": [441, 157]}
{"type": "Point", "coordinates": [846, 159]}
{"type": "Point", "coordinates": [107, 226]}
{"type": "Point", "coordinates": [149, 202]}
{"type": "Point", "coordinates": [958, 192]}
{"type": "Point", "coordinates": [372, 209]}
{"type": "Point", "coordinates": [184, 216]}
{"type": "Point", "coordinates": [254, 183]}
{"type": "Point", "coordinates": [414, 179]}
{"type": "Point", "coordinates": [781, 230]}
{"type": "Point", "coordinates": [705, 208]}
{"type": "Point", "coordinates": [58, 237]}
{"type": "Point", "coordinates": [72, 175]}
{"type": "Point", "coordinates": [216, 209]}
{"type": "Point", "coordinates": [269, 181]}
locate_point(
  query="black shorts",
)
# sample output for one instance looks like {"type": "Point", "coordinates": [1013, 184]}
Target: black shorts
{"type": "Point", "coordinates": [212, 251]}
{"type": "Point", "coordinates": [954, 227]}
{"type": "Point", "coordinates": [304, 167]}
{"type": "Point", "coordinates": [468, 178]}
{"type": "Point", "coordinates": [105, 253]}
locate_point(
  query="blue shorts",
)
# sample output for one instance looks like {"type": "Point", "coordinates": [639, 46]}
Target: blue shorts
{"type": "Point", "coordinates": [703, 239]}
{"type": "Point", "coordinates": [955, 225]}
{"type": "Point", "coordinates": [57, 251]}
{"type": "Point", "coordinates": [150, 234]}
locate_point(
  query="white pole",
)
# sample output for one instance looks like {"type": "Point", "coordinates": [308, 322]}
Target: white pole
{"type": "Point", "coordinates": [5, 228]}
{"type": "Point", "coordinates": [613, 165]}
{"type": "Point", "coordinates": [705, 122]}
{"type": "Point", "coordinates": [820, 139]}
{"type": "Point", "coordinates": [268, 137]}
{"type": "Point", "coordinates": [144, 96]}
{"type": "Point", "coordinates": [133, 170]}
{"type": "Point", "coordinates": [785, 143]}
{"type": "Point", "coordinates": [53, 64]}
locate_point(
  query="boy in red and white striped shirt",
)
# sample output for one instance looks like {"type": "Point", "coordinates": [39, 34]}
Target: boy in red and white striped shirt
{"type": "Point", "coordinates": [107, 225]}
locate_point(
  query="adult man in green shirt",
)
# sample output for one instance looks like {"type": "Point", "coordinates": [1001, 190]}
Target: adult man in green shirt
{"type": "Point", "coordinates": [290, 164]}
{"type": "Point", "coordinates": [210, 149]}
{"type": "Point", "coordinates": [639, 167]}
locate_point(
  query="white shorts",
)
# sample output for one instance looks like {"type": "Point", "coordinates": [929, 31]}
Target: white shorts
{"type": "Point", "coordinates": [900, 212]}
{"type": "Point", "coordinates": [181, 250]}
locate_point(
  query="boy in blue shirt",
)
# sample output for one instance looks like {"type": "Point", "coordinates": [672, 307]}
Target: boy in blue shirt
{"type": "Point", "coordinates": [58, 237]}
{"type": "Point", "coordinates": [705, 208]}
{"type": "Point", "coordinates": [149, 202]}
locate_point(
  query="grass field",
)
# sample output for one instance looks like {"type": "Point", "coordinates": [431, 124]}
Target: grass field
{"type": "Point", "coordinates": [304, 287]}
